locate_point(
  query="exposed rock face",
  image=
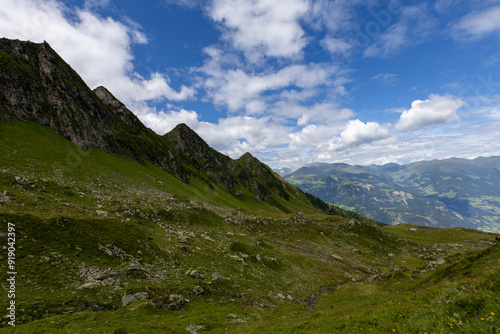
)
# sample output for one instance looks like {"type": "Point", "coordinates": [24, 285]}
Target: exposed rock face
{"type": "Point", "coordinates": [37, 85]}
{"type": "Point", "coordinates": [260, 179]}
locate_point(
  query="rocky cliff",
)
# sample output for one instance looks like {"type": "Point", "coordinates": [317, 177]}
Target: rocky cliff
{"type": "Point", "coordinates": [37, 85]}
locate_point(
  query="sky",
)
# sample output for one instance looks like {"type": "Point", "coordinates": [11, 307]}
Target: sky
{"type": "Point", "coordinates": [290, 81]}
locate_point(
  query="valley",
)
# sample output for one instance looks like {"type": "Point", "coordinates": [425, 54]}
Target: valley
{"type": "Point", "coordinates": [439, 193]}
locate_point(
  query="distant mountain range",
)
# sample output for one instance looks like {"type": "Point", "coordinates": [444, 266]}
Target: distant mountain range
{"type": "Point", "coordinates": [440, 193]}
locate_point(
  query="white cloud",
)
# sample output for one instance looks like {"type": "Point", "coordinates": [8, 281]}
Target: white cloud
{"type": "Point", "coordinates": [262, 27]}
{"type": "Point", "coordinates": [336, 16]}
{"type": "Point", "coordinates": [236, 135]}
{"type": "Point", "coordinates": [336, 45]}
{"type": "Point", "coordinates": [315, 136]}
{"type": "Point", "coordinates": [357, 133]}
{"type": "Point", "coordinates": [318, 113]}
{"type": "Point", "coordinates": [162, 122]}
{"type": "Point", "coordinates": [98, 48]}
{"type": "Point", "coordinates": [478, 24]}
{"type": "Point", "coordinates": [436, 110]}
{"type": "Point", "coordinates": [236, 89]}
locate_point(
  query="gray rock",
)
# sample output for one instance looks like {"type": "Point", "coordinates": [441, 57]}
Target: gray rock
{"type": "Point", "coordinates": [217, 277]}
{"type": "Point", "coordinates": [141, 295]}
{"type": "Point", "coordinates": [176, 302]}
{"type": "Point", "coordinates": [89, 285]}
{"type": "Point", "coordinates": [134, 266]}
{"type": "Point", "coordinates": [106, 275]}
{"type": "Point", "coordinates": [107, 251]}
{"type": "Point", "coordinates": [127, 299]}
{"type": "Point", "coordinates": [239, 320]}
{"type": "Point", "coordinates": [194, 328]}
{"type": "Point", "coordinates": [194, 273]}
{"type": "Point", "coordinates": [198, 290]}
{"type": "Point", "coordinates": [22, 180]}
{"type": "Point", "coordinates": [102, 214]}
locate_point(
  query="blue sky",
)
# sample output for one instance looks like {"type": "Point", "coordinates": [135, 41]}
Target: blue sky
{"type": "Point", "coordinates": [290, 81]}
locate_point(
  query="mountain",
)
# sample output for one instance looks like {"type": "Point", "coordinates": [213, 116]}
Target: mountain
{"type": "Point", "coordinates": [37, 85]}
{"type": "Point", "coordinates": [107, 227]}
{"type": "Point", "coordinates": [441, 193]}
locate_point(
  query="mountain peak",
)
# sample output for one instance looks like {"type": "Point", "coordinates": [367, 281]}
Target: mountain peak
{"type": "Point", "coordinates": [247, 156]}
{"type": "Point", "coordinates": [184, 137]}
{"type": "Point", "coordinates": [107, 98]}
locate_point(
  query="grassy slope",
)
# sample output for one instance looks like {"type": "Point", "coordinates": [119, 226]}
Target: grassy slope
{"type": "Point", "coordinates": [53, 158]}
{"type": "Point", "coordinates": [264, 255]}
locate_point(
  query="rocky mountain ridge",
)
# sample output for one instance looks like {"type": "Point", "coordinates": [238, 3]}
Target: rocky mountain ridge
{"type": "Point", "coordinates": [37, 85]}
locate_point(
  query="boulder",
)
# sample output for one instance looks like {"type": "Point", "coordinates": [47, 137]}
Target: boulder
{"type": "Point", "coordinates": [194, 273]}
{"type": "Point", "coordinates": [141, 295]}
{"type": "Point", "coordinates": [176, 302]}
{"type": "Point", "coordinates": [217, 277]}
{"type": "Point", "coordinates": [102, 214]}
{"type": "Point", "coordinates": [127, 299]}
{"type": "Point", "coordinates": [198, 290]}
{"type": "Point", "coordinates": [89, 285]}
{"type": "Point", "coordinates": [22, 180]}
{"type": "Point", "coordinates": [194, 328]}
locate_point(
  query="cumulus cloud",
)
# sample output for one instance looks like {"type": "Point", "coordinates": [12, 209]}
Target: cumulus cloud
{"type": "Point", "coordinates": [436, 110]}
{"type": "Point", "coordinates": [164, 121]}
{"type": "Point", "coordinates": [98, 48]}
{"type": "Point", "coordinates": [318, 113]}
{"type": "Point", "coordinates": [235, 88]}
{"type": "Point", "coordinates": [239, 134]}
{"type": "Point", "coordinates": [357, 133]}
{"type": "Point", "coordinates": [478, 24]}
{"type": "Point", "coordinates": [262, 27]}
